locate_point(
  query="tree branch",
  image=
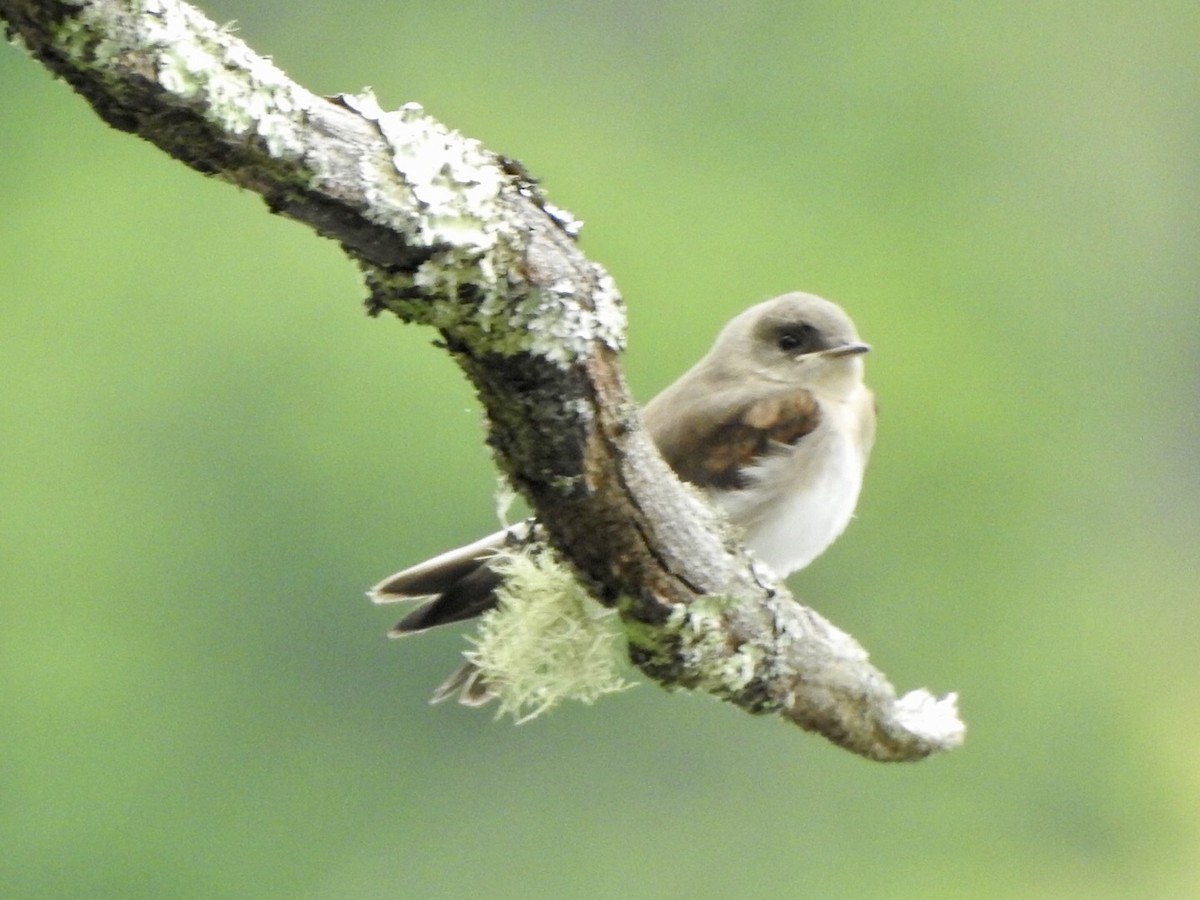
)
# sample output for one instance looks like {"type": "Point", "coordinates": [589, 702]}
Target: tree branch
{"type": "Point", "coordinates": [451, 235]}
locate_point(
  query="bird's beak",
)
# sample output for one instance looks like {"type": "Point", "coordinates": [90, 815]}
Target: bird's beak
{"type": "Point", "coordinates": [851, 349]}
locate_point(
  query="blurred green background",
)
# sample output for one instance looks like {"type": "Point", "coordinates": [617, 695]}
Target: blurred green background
{"type": "Point", "coordinates": [209, 452]}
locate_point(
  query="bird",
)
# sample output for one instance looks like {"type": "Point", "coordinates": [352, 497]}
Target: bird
{"type": "Point", "coordinates": [774, 425]}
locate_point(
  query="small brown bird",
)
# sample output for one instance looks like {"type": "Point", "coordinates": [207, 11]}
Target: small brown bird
{"type": "Point", "coordinates": [774, 424]}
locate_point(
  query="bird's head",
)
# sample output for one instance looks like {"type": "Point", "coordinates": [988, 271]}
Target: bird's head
{"type": "Point", "coordinates": [796, 339]}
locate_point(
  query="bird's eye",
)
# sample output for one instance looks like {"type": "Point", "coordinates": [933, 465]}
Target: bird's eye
{"type": "Point", "coordinates": [796, 338]}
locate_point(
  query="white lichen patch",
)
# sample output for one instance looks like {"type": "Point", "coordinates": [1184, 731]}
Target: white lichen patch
{"type": "Point", "coordinates": [242, 93]}
{"type": "Point", "coordinates": [548, 640]}
{"type": "Point", "coordinates": [703, 647]}
{"type": "Point", "coordinates": [453, 180]}
{"type": "Point", "coordinates": [695, 637]}
{"type": "Point", "coordinates": [561, 331]}
{"type": "Point", "coordinates": [451, 195]}
{"type": "Point", "coordinates": [437, 190]}
{"type": "Point", "coordinates": [934, 719]}
{"type": "Point", "coordinates": [609, 310]}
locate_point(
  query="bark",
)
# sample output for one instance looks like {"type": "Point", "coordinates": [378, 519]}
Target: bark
{"type": "Point", "coordinates": [451, 235]}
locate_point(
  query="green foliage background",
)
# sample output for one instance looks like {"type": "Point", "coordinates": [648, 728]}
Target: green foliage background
{"type": "Point", "coordinates": [209, 453]}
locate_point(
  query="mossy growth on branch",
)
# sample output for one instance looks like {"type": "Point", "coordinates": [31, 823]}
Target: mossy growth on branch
{"type": "Point", "coordinates": [547, 640]}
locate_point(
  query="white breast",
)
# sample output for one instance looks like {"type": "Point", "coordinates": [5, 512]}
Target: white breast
{"type": "Point", "coordinates": [803, 497]}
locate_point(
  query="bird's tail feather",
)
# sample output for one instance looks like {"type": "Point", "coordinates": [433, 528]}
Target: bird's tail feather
{"type": "Point", "coordinates": [468, 682]}
{"type": "Point", "coordinates": [457, 585]}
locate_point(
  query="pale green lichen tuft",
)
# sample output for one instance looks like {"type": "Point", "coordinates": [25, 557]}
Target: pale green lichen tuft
{"type": "Point", "coordinates": [548, 640]}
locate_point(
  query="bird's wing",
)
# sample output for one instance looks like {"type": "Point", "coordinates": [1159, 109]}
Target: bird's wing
{"type": "Point", "coordinates": [718, 450]}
